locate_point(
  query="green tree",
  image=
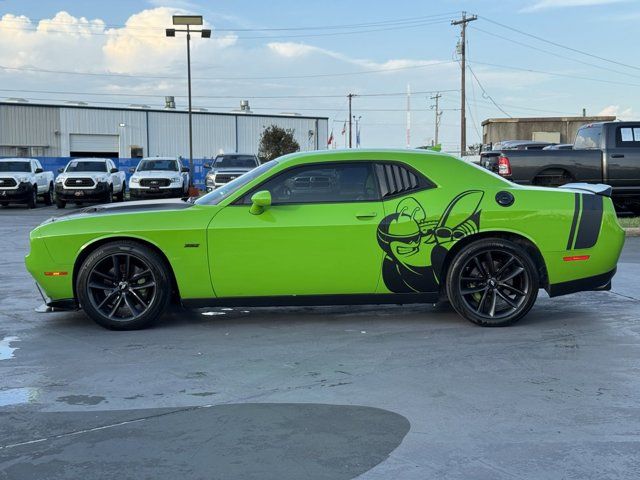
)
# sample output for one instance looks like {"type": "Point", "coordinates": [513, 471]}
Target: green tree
{"type": "Point", "coordinates": [275, 142]}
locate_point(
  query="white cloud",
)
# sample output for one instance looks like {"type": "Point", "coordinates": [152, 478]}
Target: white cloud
{"type": "Point", "coordinates": [617, 111]}
{"type": "Point", "coordinates": [551, 4]}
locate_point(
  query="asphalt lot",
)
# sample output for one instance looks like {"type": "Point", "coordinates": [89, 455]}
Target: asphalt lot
{"type": "Point", "coordinates": [319, 393]}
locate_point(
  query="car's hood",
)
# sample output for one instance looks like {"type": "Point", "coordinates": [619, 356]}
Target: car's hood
{"type": "Point", "coordinates": [231, 170]}
{"type": "Point", "coordinates": [128, 207]}
{"type": "Point", "coordinates": [83, 174]}
{"type": "Point", "coordinates": [156, 174]}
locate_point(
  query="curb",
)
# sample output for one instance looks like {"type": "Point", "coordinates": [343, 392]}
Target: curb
{"type": "Point", "coordinates": [632, 232]}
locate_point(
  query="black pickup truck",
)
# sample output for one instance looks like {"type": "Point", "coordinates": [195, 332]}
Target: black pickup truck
{"type": "Point", "coordinates": [606, 152]}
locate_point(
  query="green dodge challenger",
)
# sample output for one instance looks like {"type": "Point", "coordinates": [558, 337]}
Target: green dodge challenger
{"type": "Point", "coordinates": [334, 228]}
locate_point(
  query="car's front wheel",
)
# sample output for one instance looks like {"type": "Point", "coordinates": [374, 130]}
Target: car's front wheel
{"type": "Point", "coordinates": [492, 282]}
{"type": "Point", "coordinates": [48, 197]}
{"type": "Point", "coordinates": [124, 285]}
{"type": "Point", "coordinates": [32, 202]}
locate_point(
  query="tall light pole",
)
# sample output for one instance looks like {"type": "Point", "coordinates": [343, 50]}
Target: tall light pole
{"type": "Point", "coordinates": [188, 21]}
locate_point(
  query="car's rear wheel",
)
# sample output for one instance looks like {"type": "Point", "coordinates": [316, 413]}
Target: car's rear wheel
{"type": "Point", "coordinates": [492, 282]}
{"type": "Point", "coordinates": [124, 285]}
{"type": "Point", "coordinates": [60, 203]}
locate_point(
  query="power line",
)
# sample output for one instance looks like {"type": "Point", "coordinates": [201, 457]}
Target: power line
{"type": "Point", "coordinates": [557, 74]}
{"type": "Point", "coordinates": [548, 52]}
{"type": "Point", "coordinates": [257, 29]}
{"type": "Point", "coordinates": [559, 45]}
{"type": "Point", "coordinates": [485, 94]}
{"type": "Point", "coordinates": [88, 32]}
{"type": "Point", "coordinates": [243, 96]}
{"type": "Point", "coordinates": [280, 77]}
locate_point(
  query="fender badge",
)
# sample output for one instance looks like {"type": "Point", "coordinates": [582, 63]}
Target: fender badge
{"type": "Point", "coordinates": [191, 245]}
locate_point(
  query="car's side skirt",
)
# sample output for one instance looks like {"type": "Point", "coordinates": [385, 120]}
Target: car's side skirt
{"type": "Point", "coordinates": [313, 300]}
{"type": "Point", "coordinates": [588, 284]}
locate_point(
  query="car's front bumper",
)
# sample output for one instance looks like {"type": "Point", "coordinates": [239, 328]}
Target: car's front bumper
{"type": "Point", "coordinates": [97, 194]}
{"type": "Point", "coordinates": [167, 192]}
{"type": "Point", "coordinates": [22, 193]}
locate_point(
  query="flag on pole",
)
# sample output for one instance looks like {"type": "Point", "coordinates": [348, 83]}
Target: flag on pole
{"type": "Point", "coordinates": [330, 141]}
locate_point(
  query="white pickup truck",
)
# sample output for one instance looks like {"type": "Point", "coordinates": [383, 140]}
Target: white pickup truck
{"type": "Point", "coordinates": [89, 180]}
{"type": "Point", "coordinates": [158, 177]}
{"type": "Point", "coordinates": [23, 180]}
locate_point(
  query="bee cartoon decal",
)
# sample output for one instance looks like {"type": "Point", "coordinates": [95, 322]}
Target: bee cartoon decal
{"type": "Point", "coordinates": [415, 247]}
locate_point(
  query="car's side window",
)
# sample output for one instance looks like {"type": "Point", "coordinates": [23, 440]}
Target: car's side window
{"type": "Point", "coordinates": [395, 179]}
{"type": "Point", "coordinates": [325, 183]}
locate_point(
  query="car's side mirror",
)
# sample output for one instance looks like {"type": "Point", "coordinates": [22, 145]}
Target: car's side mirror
{"type": "Point", "coordinates": [260, 201]}
{"type": "Point", "coordinates": [184, 169]}
{"type": "Point", "coordinates": [61, 169]}
{"type": "Point", "coordinates": [207, 165]}
{"type": "Point", "coordinates": [39, 170]}
{"type": "Point", "coordinates": [132, 170]}
{"type": "Point", "coordinates": [114, 170]}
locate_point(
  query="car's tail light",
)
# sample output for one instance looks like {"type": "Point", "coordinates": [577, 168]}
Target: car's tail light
{"type": "Point", "coordinates": [504, 166]}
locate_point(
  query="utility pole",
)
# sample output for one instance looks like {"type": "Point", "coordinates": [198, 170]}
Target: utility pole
{"type": "Point", "coordinates": [463, 115]}
{"type": "Point", "coordinates": [350, 97]}
{"type": "Point", "coordinates": [436, 107]}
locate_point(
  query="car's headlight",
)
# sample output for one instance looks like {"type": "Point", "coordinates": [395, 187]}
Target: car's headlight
{"type": "Point", "coordinates": [210, 180]}
{"type": "Point", "coordinates": [60, 179]}
{"type": "Point", "coordinates": [176, 180]}
{"type": "Point", "coordinates": [134, 180]}
{"type": "Point", "coordinates": [23, 179]}
{"type": "Point", "coordinates": [101, 178]}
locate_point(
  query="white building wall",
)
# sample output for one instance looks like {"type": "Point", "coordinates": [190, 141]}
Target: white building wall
{"type": "Point", "coordinates": [169, 134]}
{"type": "Point", "coordinates": [29, 126]}
{"type": "Point", "coordinates": [104, 122]}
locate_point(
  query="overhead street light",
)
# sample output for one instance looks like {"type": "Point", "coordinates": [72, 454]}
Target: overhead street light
{"type": "Point", "coordinates": [188, 21]}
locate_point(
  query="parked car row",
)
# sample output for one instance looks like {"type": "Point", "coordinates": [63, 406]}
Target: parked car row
{"type": "Point", "coordinates": [98, 180]}
{"type": "Point", "coordinates": [605, 152]}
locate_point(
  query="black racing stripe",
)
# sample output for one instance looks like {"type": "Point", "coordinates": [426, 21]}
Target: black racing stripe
{"type": "Point", "coordinates": [576, 213]}
{"type": "Point", "coordinates": [590, 222]}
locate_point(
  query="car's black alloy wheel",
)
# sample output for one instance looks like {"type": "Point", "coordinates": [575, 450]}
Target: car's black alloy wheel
{"type": "Point", "coordinates": [492, 282]}
{"type": "Point", "coordinates": [123, 286]}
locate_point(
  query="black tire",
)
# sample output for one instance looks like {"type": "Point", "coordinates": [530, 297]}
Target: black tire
{"type": "Point", "coordinates": [109, 196]}
{"type": "Point", "coordinates": [124, 285]}
{"type": "Point", "coordinates": [60, 203]}
{"type": "Point", "coordinates": [492, 282]}
{"type": "Point", "coordinates": [120, 196]}
{"type": "Point", "coordinates": [48, 197]}
{"type": "Point", "coordinates": [4, 204]}
{"type": "Point", "coordinates": [33, 198]}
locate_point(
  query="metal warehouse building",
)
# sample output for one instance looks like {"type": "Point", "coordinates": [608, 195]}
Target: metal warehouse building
{"type": "Point", "coordinates": [42, 130]}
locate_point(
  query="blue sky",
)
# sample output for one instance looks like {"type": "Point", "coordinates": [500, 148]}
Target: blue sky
{"type": "Point", "coordinates": [523, 75]}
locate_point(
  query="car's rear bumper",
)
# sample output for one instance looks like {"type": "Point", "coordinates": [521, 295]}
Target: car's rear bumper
{"type": "Point", "coordinates": [588, 284]}
{"type": "Point", "coordinates": [155, 193]}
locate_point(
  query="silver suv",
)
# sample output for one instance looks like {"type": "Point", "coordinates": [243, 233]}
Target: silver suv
{"type": "Point", "coordinates": [227, 167]}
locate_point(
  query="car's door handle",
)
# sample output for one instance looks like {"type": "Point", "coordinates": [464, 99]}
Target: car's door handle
{"type": "Point", "coordinates": [365, 215]}
{"type": "Point", "coordinates": [617, 155]}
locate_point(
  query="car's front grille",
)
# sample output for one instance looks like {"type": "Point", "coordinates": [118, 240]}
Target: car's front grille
{"type": "Point", "coordinates": [79, 182]}
{"type": "Point", "coordinates": [226, 177]}
{"type": "Point", "coordinates": [155, 182]}
{"type": "Point", "coordinates": [7, 182]}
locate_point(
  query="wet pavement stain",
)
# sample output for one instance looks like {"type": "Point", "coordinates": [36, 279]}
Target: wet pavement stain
{"type": "Point", "coordinates": [81, 399]}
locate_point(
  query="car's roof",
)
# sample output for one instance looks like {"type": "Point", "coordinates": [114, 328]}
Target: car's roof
{"type": "Point", "coordinates": [236, 154]}
{"type": "Point", "coordinates": [158, 158]}
{"type": "Point", "coordinates": [21, 159]}
{"type": "Point", "coordinates": [363, 154]}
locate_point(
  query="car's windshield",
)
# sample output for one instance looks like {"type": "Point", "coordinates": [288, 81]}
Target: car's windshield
{"type": "Point", "coordinates": [15, 167]}
{"type": "Point", "coordinates": [80, 166]}
{"type": "Point", "coordinates": [216, 196]}
{"type": "Point", "coordinates": [235, 161]}
{"type": "Point", "coordinates": [149, 165]}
